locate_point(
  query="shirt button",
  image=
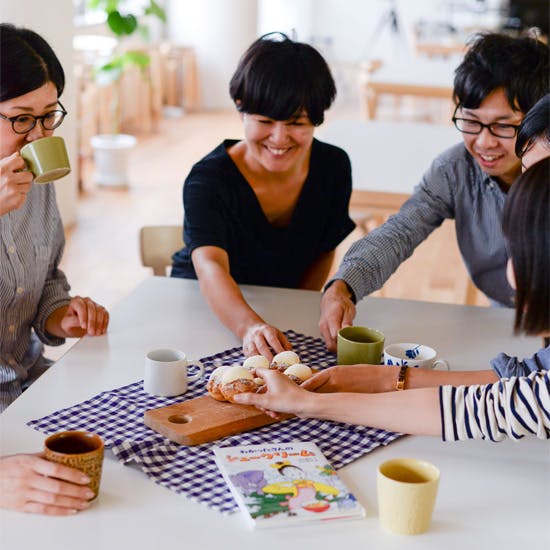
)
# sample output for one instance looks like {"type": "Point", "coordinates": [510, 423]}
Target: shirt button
{"type": "Point", "coordinates": [11, 249]}
{"type": "Point", "coordinates": [12, 361]}
{"type": "Point", "coordinates": [11, 328]}
{"type": "Point", "coordinates": [19, 290]}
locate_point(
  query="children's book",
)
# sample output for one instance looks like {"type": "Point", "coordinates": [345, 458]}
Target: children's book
{"type": "Point", "coordinates": [285, 484]}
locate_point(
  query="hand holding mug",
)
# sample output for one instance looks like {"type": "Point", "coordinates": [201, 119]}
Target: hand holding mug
{"type": "Point", "coordinates": [15, 183]}
{"type": "Point", "coordinates": [29, 483]}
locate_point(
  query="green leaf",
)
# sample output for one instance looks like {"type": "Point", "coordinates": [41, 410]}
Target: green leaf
{"type": "Point", "coordinates": [154, 9]}
{"type": "Point", "coordinates": [140, 59]}
{"type": "Point", "coordinates": [121, 24]}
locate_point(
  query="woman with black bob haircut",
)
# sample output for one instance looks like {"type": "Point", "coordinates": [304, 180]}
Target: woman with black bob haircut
{"type": "Point", "coordinates": [533, 141]}
{"type": "Point", "coordinates": [34, 294]}
{"type": "Point", "coordinates": [294, 78]}
{"type": "Point", "coordinates": [271, 208]}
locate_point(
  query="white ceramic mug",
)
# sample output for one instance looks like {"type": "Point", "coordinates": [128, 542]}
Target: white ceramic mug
{"type": "Point", "coordinates": [413, 355]}
{"type": "Point", "coordinates": [166, 372]}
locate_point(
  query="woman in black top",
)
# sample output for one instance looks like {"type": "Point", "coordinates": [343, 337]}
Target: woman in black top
{"type": "Point", "coordinates": [270, 209]}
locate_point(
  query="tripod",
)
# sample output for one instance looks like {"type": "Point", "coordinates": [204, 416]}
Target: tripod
{"type": "Point", "coordinates": [389, 19]}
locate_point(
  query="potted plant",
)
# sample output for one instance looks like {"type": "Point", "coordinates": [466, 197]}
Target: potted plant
{"type": "Point", "coordinates": [111, 149]}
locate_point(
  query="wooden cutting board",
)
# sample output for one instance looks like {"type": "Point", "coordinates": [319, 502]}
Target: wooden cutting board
{"type": "Point", "coordinates": [204, 419]}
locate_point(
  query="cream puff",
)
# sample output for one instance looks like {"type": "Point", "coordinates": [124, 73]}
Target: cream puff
{"type": "Point", "coordinates": [284, 360]}
{"type": "Point", "coordinates": [256, 362]}
{"type": "Point", "coordinates": [298, 372]}
{"type": "Point", "coordinates": [236, 380]}
{"type": "Point", "coordinates": [214, 383]}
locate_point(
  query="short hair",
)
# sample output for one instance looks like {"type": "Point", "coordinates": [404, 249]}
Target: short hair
{"type": "Point", "coordinates": [526, 227]}
{"type": "Point", "coordinates": [519, 65]}
{"type": "Point", "coordinates": [27, 62]}
{"type": "Point", "coordinates": [277, 78]}
{"type": "Point", "coordinates": [535, 125]}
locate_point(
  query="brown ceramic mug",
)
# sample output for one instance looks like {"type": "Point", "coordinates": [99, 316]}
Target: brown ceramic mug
{"type": "Point", "coordinates": [77, 449]}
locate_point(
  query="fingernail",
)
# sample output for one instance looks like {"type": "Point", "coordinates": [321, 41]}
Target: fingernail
{"type": "Point", "coordinates": [89, 494]}
{"type": "Point", "coordinates": [84, 479]}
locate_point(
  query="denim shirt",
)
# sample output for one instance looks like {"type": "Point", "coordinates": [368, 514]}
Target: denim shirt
{"type": "Point", "coordinates": [31, 288]}
{"type": "Point", "coordinates": [453, 187]}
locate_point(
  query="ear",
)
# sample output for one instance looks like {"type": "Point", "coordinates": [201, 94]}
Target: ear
{"type": "Point", "coordinates": [510, 274]}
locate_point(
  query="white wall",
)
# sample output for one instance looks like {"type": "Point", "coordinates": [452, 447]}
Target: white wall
{"type": "Point", "coordinates": [219, 31]}
{"type": "Point", "coordinates": [56, 26]}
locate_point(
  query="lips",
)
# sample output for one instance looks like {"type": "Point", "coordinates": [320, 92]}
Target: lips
{"type": "Point", "coordinates": [277, 152]}
{"type": "Point", "coordinates": [489, 160]}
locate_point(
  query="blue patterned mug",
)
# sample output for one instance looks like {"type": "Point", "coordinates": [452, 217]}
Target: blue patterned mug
{"type": "Point", "coordinates": [413, 355]}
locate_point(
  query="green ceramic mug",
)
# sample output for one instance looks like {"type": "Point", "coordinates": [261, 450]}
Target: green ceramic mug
{"type": "Point", "coordinates": [47, 159]}
{"type": "Point", "coordinates": [359, 345]}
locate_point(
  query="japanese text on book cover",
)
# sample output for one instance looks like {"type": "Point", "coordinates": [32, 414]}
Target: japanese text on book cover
{"type": "Point", "coordinates": [281, 484]}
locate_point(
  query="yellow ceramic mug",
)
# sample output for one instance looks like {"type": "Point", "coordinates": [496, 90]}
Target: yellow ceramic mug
{"type": "Point", "coordinates": [407, 488]}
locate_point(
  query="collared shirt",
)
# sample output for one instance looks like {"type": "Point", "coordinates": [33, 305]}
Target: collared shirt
{"type": "Point", "coordinates": [31, 288]}
{"type": "Point", "coordinates": [454, 187]}
{"type": "Point", "coordinates": [512, 407]}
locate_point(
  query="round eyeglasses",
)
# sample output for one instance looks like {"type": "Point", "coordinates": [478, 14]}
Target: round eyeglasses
{"type": "Point", "coordinates": [498, 129]}
{"type": "Point", "coordinates": [23, 124]}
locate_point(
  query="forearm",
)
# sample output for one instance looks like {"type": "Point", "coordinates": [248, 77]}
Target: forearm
{"type": "Point", "coordinates": [427, 378]}
{"type": "Point", "coordinates": [412, 412]}
{"type": "Point", "coordinates": [226, 300]}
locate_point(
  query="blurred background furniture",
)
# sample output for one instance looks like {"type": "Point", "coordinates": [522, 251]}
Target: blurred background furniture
{"type": "Point", "coordinates": [157, 244]}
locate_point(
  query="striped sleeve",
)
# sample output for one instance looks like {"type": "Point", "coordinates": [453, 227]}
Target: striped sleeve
{"type": "Point", "coordinates": [513, 408]}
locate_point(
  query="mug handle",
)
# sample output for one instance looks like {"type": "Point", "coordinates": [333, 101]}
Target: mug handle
{"type": "Point", "coordinates": [443, 363]}
{"type": "Point", "coordinates": [199, 374]}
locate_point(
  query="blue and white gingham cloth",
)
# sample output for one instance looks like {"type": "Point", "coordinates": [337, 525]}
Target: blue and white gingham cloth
{"type": "Point", "coordinates": [117, 416]}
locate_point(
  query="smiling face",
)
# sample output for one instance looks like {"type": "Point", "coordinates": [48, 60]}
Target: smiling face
{"type": "Point", "coordinates": [37, 102]}
{"type": "Point", "coordinates": [277, 145]}
{"type": "Point", "coordinates": [494, 155]}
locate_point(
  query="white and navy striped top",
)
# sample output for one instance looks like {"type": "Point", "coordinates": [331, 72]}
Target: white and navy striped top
{"type": "Point", "coordinates": [31, 288]}
{"type": "Point", "coordinates": [453, 187]}
{"type": "Point", "coordinates": [510, 408]}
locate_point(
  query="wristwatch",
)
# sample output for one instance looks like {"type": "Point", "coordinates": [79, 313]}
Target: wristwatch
{"type": "Point", "coordinates": [401, 378]}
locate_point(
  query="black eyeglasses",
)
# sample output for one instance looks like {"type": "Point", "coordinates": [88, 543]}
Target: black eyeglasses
{"type": "Point", "coordinates": [469, 126]}
{"type": "Point", "coordinates": [23, 124]}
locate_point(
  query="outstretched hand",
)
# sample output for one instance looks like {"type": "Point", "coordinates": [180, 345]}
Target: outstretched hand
{"type": "Point", "coordinates": [337, 311]}
{"type": "Point", "coordinates": [264, 339]}
{"type": "Point", "coordinates": [282, 395]}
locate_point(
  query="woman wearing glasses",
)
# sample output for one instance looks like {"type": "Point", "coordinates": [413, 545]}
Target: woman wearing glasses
{"type": "Point", "coordinates": [34, 297]}
{"type": "Point", "coordinates": [498, 81]}
{"type": "Point", "coordinates": [35, 304]}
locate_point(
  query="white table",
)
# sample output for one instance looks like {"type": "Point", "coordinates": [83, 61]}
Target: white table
{"type": "Point", "coordinates": [491, 495]}
{"type": "Point", "coordinates": [411, 76]}
{"type": "Point", "coordinates": [387, 158]}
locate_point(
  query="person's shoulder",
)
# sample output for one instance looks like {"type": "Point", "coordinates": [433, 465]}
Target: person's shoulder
{"type": "Point", "coordinates": [213, 167]}
{"type": "Point", "coordinates": [328, 152]}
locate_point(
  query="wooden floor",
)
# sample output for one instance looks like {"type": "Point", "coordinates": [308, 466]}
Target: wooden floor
{"type": "Point", "coordinates": [101, 258]}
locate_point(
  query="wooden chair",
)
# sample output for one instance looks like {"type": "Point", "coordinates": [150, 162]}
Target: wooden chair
{"type": "Point", "coordinates": [157, 243]}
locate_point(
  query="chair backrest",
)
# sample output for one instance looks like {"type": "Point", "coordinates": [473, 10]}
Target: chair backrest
{"type": "Point", "coordinates": [157, 243]}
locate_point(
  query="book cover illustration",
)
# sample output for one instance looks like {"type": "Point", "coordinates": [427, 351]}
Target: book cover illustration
{"type": "Point", "coordinates": [285, 483]}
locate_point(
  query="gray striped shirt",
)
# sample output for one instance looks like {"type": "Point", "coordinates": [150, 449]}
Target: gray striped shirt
{"type": "Point", "coordinates": [453, 187]}
{"type": "Point", "coordinates": [512, 407]}
{"type": "Point", "coordinates": [31, 288]}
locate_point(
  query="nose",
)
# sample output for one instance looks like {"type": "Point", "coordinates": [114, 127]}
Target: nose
{"type": "Point", "coordinates": [279, 133]}
{"type": "Point", "coordinates": [486, 139]}
{"type": "Point", "coordinates": [37, 132]}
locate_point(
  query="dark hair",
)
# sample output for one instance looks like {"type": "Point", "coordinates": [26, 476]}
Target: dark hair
{"type": "Point", "coordinates": [518, 64]}
{"type": "Point", "coordinates": [277, 77]}
{"type": "Point", "coordinates": [535, 125]}
{"type": "Point", "coordinates": [526, 226]}
{"type": "Point", "coordinates": [27, 62]}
